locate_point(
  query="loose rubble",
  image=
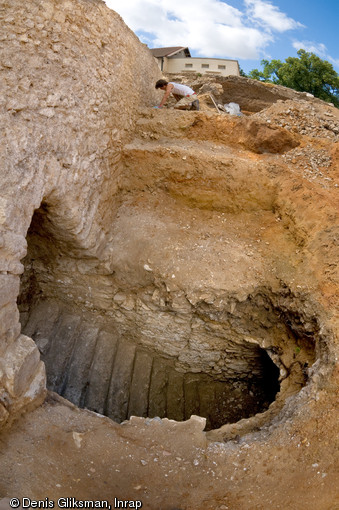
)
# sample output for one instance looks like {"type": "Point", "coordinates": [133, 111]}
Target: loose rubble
{"type": "Point", "coordinates": [298, 116]}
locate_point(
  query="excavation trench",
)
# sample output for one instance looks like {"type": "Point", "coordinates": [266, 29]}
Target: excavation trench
{"type": "Point", "coordinates": [138, 357]}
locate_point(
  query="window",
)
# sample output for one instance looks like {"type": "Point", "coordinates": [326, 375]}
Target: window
{"type": "Point", "coordinates": [221, 67]}
{"type": "Point", "coordinates": [205, 66]}
{"type": "Point", "coordinates": [188, 65]}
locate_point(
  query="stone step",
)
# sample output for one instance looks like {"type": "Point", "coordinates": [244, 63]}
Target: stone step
{"type": "Point", "coordinates": [96, 369]}
{"type": "Point", "coordinates": [191, 395]}
{"type": "Point", "coordinates": [58, 357]}
{"type": "Point", "coordinates": [101, 371]}
{"type": "Point", "coordinates": [175, 396]}
{"type": "Point", "coordinates": [76, 383]}
{"type": "Point", "coordinates": [158, 389]}
{"type": "Point", "coordinates": [40, 329]}
{"type": "Point", "coordinates": [118, 396]}
{"type": "Point", "coordinates": [223, 404]}
{"type": "Point", "coordinates": [138, 400]}
{"type": "Point", "coordinates": [206, 400]}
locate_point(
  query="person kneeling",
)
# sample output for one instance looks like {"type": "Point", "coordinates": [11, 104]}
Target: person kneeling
{"type": "Point", "coordinates": [185, 96]}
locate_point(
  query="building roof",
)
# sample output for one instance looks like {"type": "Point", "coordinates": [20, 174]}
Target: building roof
{"type": "Point", "coordinates": [169, 52]}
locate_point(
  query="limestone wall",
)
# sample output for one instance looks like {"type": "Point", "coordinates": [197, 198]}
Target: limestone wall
{"type": "Point", "coordinates": [72, 76]}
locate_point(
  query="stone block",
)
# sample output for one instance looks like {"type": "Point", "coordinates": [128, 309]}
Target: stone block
{"type": "Point", "coordinates": [34, 395]}
{"type": "Point", "coordinates": [11, 266]}
{"type": "Point", "coordinates": [117, 401]}
{"type": "Point", "coordinates": [9, 289]}
{"type": "Point", "coordinates": [13, 244]}
{"type": "Point", "coordinates": [20, 363]}
{"type": "Point", "coordinates": [8, 337]}
{"type": "Point", "coordinates": [79, 369]}
{"type": "Point", "coordinates": [7, 213]}
{"type": "Point", "coordinates": [175, 395]}
{"type": "Point", "coordinates": [36, 391]}
{"type": "Point", "coordinates": [101, 370]}
{"type": "Point", "coordinates": [138, 400]}
{"type": "Point", "coordinates": [9, 316]}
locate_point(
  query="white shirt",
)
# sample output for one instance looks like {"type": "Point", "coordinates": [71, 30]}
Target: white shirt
{"type": "Point", "coordinates": [181, 90]}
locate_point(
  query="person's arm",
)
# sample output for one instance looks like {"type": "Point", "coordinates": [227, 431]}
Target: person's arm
{"type": "Point", "coordinates": [166, 95]}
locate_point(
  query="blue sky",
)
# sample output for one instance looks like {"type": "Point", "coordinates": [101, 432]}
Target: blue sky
{"type": "Point", "coordinates": [245, 30]}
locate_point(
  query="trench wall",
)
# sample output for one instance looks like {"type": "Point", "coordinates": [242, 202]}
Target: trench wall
{"type": "Point", "coordinates": [73, 76]}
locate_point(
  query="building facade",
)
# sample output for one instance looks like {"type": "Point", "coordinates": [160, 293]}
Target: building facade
{"type": "Point", "coordinates": [178, 59]}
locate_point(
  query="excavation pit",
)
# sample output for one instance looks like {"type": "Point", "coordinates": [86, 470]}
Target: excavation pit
{"type": "Point", "coordinates": [94, 368]}
{"type": "Point", "coordinates": [137, 355]}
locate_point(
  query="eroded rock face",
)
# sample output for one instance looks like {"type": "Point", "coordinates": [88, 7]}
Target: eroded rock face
{"type": "Point", "coordinates": [176, 261]}
{"type": "Point", "coordinates": [72, 77]}
{"type": "Point", "coordinates": [205, 270]}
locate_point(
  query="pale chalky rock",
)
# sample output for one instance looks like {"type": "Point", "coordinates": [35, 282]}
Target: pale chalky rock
{"type": "Point", "coordinates": [73, 77]}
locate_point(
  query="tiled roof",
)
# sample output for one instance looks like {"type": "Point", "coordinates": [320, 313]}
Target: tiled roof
{"type": "Point", "coordinates": [168, 52]}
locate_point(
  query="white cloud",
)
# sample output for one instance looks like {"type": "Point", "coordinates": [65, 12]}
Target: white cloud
{"type": "Point", "coordinates": [334, 61]}
{"type": "Point", "coordinates": [317, 48]}
{"type": "Point", "coordinates": [270, 15]}
{"type": "Point", "coordinates": [210, 28]}
{"type": "Point", "coordinates": [192, 11]}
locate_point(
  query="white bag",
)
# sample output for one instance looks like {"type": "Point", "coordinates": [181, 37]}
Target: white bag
{"type": "Point", "coordinates": [232, 108]}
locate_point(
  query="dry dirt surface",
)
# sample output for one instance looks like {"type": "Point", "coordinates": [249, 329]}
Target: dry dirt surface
{"type": "Point", "coordinates": [225, 224]}
{"type": "Point", "coordinates": [59, 451]}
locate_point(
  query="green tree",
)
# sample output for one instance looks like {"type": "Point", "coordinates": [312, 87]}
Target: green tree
{"type": "Point", "coordinates": [305, 73]}
{"type": "Point", "coordinates": [270, 72]}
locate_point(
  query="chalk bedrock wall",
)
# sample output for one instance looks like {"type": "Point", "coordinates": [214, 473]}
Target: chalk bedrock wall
{"type": "Point", "coordinates": [72, 76]}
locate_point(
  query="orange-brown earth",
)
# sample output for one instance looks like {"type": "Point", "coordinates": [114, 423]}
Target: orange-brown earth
{"type": "Point", "coordinates": [217, 207]}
